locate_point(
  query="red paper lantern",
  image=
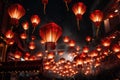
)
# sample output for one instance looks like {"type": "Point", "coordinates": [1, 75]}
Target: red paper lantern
{"type": "Point", "coordinates": [96, 16]}
{"type": "Point", "coordinates": [66, 3]}
{"type": "Point", "coordinates": [50, 33]}
{"type": "Point", "coordinates": [44, 2]}
{"type": "Point", "coordinates": [16, 11]}
{"type": "Point", "coordinates": [79, 9]}
{"type": "Point", "coordinates": [23, 36]}
{"type": "Point", "coordinates": [32, 45]}
{"type": "Point", "coordinates": [25, 25]}
{"type": "Point", "coordinates": [35, 20]}
{"type": "Point", "coordinates": [9, 34]}
{"type": "Point", "coordinates": [17, 54]}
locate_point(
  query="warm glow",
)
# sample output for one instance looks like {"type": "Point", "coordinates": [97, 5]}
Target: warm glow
{"type": "Point", "coordinates": [32, 45]}
{"type": "Point", "coordinates": [39, 54]}
{"type": "Point", "coordinates": [16, 11]}
{"type": "Point", "coordinates": [10, 41]}
{"type": "Point", "coordinates": [106, 42]}
{"type": "Point", "coordinates": [88, 38]}
{"type": "Point", "coordinates": [66, 39]}
{"type": "Point", "coordinates": [9, 34]}
{"type": "Point", "coordinates": [18, 54]}
{"type": "Point", "coordinates": [50, 55]}
{"type": "Point", "coordinates": [25, 25]}
{"type": "Point", "coordinates": [23, 36]}
{"type": "Point", "coordinates": [50, 32]}
{"type": "Point", "coordinates": [35, 20]}
{"type": "Point", "coordinates": [72, 43]}
{"type": "Point", "coordinates": [85, 49]}
{"type": "Point", "coordinates": [116, 48]}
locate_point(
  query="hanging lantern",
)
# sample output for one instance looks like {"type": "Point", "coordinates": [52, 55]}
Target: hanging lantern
{"type": "Point", "coordinates": [44, 2]}
{"type": "Point", "coordinates": [50, 33]}
{"type": "Point", "coordinates": [66, 39]}
{"type": "Point", "coordinates": [17, 54]}
{"type": "Point", "coordinates": [35, 20]}
{"type": "Point", "coordinates": [79, 9]}
{"type": "Point", "coordinates": [23, 36]}
{"type": "Point", "coordinates": [72, 43]}
{"type": "Point", "coordinates": [25, 25]}
{"type": "Point", "coordinates": [66, 3]}
{"type": "Point", "coordinates": [116, 48]}
{"type": "Point", "coordinates": [16, 11]}
{"type": "Point", "coordinates": [97, 16]}
{"type": "Point", "coordinates": [32, 45]}
{"type": "Point", "coordinates": [106, 42]}
{"type": "Point", "coordinates": [9, 34]}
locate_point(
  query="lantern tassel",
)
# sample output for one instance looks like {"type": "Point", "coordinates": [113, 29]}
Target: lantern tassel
{"type": "Point", "coordinates": [97, 31]}
{"type": "Point", "coordinates": [33, 30]}
{"type": "Point", "coordinates": [78, 24]}
{"type": "Point", "coordinates": [66, 5]}
{"type": "Point", "coordinates": [44, 8]}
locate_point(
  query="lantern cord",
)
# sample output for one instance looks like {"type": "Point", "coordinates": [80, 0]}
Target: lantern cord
{"type": "Point", "coordinates": [78, 24]}
{"type": "Point", "coordinates": [97, 31]}
{"type": "Point", "coordinates": [66, 5]}
{"type": "Point", "coordinates": [33, 30]}
{"type": "Point", "coordinates": [44, 8]}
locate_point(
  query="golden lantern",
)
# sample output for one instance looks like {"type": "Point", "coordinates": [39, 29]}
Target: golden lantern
{"type": "Point", "coordinates": [25, 25]}
{"type": "Point", "coordinates": [16, 11]}
{"type": "Point", "coordinates": [17, 54]}
{"type": "Point", "coordinates": [79, 9]}
{"type": "Point", "coordinates": [97, 16]}
{"type": "Point", "coordinates": [9, 34]}
{"type": "Point", "coordinates": [66, 3]}
{"type": "Point", "coordinates": [23, 36]}
{"type": "Point", "coordinates": [50, 33]}
{"type": "Point", "coordinates": [44, 2]}
{"type": "Point", "coordinates": [35, 20]}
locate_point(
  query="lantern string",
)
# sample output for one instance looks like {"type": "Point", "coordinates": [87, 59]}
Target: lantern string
{"type": "Point", "coordinates": [78, 24]}
{"type": "Point", "coordinates": [33, 30]}
{"type": "Point", "coordinates": [97, 31]}
{"type": "Point", "coordinates": [44, 8]}
{"type": "Point", "coordinates": [66, 5]}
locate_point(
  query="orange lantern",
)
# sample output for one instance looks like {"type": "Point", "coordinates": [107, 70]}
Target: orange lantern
{"type": "Point", "coordinates": [105, 52]}
{"type": "Point", "coordinates": [116, 48]}
{"type": "Point", "coordinates": [17, 54]}
{"type": "Point", "coordinates": [60, 53]}
{"type": "Point", "coordinates": [32, 45]}
{"type": "Point", "coordinates": [33, 37]}
{"type": "Point", "coordinates": [10, 41]}
{"type": "Point", "coordinates": [88, 38]}
{"type": "Point", "coordinates": [71, 43]}
{"type": "Point", "coordinates": [66, 3]}
{"type": "Point", "coordinates": [79, 9]}
{"type": "Point", "coordinates": [50, 33]}
{"type": "Point", "coordinates": [39, 54]}
{"type": "Point", "coordinates": [85, 49]}
{"type": "Point", "coordinates": [118, 55]}
{"type": "Point", "coordinates": [23, 36]}
{"type": "Point", "coordinates": [16, 11]}
{"type": "Point", "coordinates": [66, 39]}
{"type": "Point", "coordinates": [93, 53]}
{"type": "Point", "coordinates": [98, 48]}
{"type": "Point", "coordinates": [27, 54]}
{"type": "Point", "coordinates": [25, 25]}
{"type": "Point", "coordinates": [44, 2]}
{"type": "Point", "coordinates": [106, 42]}
{"type": "Point", "coordinates": [32, 58]}
{"type": "Point", "coordinates": [35, 20]}
{"type": "Point", "coordinates": [50, 55]}
{"type": "Point", "coordinates": [9, 34]}
{"type": "Point", "coordinates": [97, 16]}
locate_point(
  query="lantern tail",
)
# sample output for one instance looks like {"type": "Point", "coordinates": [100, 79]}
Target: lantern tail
{"type": "Point", "coordinates": [33, 30]}
{"type": "Point", "coordinates": [44, 8]}
{"type": "Point", "coordinates": [97, 31]}
{"type": "Point", "coordinates": [66, 5]}
{"type": "Point", "coordinates": [78, 24]}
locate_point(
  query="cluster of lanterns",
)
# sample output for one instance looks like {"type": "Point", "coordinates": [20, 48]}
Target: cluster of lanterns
{"type": "Point", "coordinates": [84, 59]}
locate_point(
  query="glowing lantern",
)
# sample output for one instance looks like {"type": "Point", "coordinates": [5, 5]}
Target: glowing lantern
{"type": "Point", "coordinates": [98, 48]}
{"type": "Point", "coordinates": [25, 25]}
{"type": "Point", "coordinates": [32, 45]}
{"type": "Point", "coordinates": [33, 37]}
{"type": "Point", "coordinates": [85, 49]}
{"type": "Point", "coordinates": [39, 54]}
{"type": "Point", "coordinates": [66, 39]}
{"type": "Point", "coordinates": [10, 41]}
{"type": "Point", "coordinates": [27, 54]}
{"type": "Point", "coordinates": [79, 9]}
{"type": "Point", "coordinates": [77, 48]}
{"type": "Point", "coordinates": [116, 48]}
{"type": "Point", "coordinates": [118, 55]}
{"type": "Point", "coordinates": [16, 11]}
{"type": "Point", "coordinates": [71, 43]}
{"type": "Point", "coordinates": [106, 42]}
{"type": "Point", "coordinates": [17, 54]}
{"type": "Point", "coordinates": [105, 52]}
{"type": "Point", "coordinates": [78, 60]}
{"type": "Point", "coordinates": [35, 20]}
{"type": "Point", "coordinates": [50, 33]}
{"type": "Point", "coordinates": [66, 3]}
{"type": "Point", "coordinates": [32, 58]}
{"type": "Point", "coordinates": [42, 41]}
{"type": "Point", "coordinates": [60, 53]}
{"type": "Point", "coordinates": [50, 55]}
{"type": "Point", "coordinates": [23, 36]}
{"type": "Point", "coordinates": [93, 54]}
{"type": "Point", "coordinates": [97, 16]}
{"type": "Point", "coordinates": [44, 2]}
{"type": "Point", "coordinates": [88, 38]}
{"type": "Point", "coordinates": [9, 34]}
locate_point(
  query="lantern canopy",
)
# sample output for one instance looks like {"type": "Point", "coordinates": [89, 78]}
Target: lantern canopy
{"type": "Point", "coordinates": [79, 9]}
{"type": "Point", "coordinates": [16, 11]}
{"type": "Point", "coordinates": [50, 33]}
